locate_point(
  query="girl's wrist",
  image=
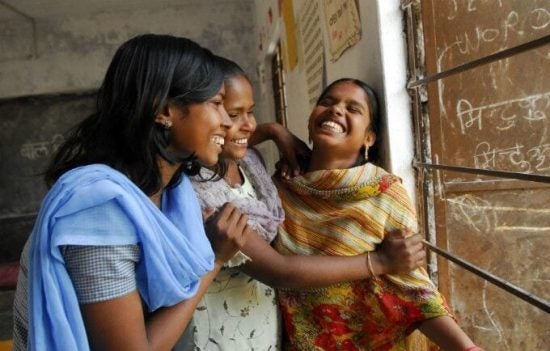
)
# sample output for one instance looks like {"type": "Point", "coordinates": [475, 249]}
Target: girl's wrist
{"type": "Point", "coordinates": [370, 268]}
{"type": "Point", "coordinates": [376, 266]}
{"type": "Point", "coordinates": [273, 131]}
{"type": "Point", "coordinates": [218, 263]}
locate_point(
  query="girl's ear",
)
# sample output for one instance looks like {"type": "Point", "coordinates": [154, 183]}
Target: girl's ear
{"type": "Point", "coordinates": [164, 117]}
{"type": "Point", "coordinates": [370, 138]}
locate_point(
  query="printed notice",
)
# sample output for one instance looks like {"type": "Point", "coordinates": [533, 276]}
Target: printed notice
{"type": "Point", "coordinates": [313, 49]}
{"type": "Point", "coordinates": [343, 24]}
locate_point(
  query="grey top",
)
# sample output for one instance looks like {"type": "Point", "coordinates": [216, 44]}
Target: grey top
{"type": "Point", "coordinates": [98, 273]}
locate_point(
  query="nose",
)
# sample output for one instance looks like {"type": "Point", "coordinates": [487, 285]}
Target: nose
{"type": "Point", "coordinates": [248, 123]}
{"type": "Point", "coordinates": [338, 109]}
{"type": "Point", "coordinates": [226, 122]}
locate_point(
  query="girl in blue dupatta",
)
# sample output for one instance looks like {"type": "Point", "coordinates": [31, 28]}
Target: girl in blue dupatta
{"type": "Point", "coordinates": [118, 257]}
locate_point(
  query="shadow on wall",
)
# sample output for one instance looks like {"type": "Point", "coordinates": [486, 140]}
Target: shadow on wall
{"type": "Point", "coordinates": [31, 129]}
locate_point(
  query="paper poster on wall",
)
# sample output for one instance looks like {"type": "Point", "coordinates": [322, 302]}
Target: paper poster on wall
{"type": "Point", "coordinates": [290, 47]}
{"type": "Point", "coordinates": [313, 48]}
{"type": "Point", "coordinates": [343, 26]}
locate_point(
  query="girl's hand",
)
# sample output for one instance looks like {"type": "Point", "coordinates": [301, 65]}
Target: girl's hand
{"type": "Point", "coordinates": [294, 152]}
{"type": "Point", "coordinates": [227, 230]}
{"type": "Point", "coordinates": [400, 252]}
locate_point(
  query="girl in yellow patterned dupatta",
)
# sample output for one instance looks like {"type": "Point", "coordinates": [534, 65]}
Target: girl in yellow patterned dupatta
{"type": "Point", "coordinates": [344, 206]}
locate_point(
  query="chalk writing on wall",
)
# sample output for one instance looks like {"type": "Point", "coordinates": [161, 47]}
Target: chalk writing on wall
{"type": "Point", "coordinates": [494, 116]}
{"type": "Point", "coordinates": [42, 149]}
{"type": "Point", "coordinates": [31, 130]}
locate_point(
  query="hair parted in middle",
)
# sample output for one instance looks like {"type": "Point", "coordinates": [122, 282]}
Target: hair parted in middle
{"type": "Point", "coordinates": [372, 153]}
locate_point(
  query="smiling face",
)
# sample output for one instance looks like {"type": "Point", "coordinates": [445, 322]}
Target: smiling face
{"type": "Point", "coordinates": [198, 128]}
{"type": "Point", "coordinates": [339, 126]}
{"type": "Point", "coordinates": [239, 104]}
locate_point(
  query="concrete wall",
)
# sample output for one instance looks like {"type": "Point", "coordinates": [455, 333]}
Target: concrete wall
{"type": "Point", "coordinates": [72, 53]}
{"type": "Point", "coordinates": [379, 58]}
{"type": "Point", "coordinates": [69, 55]}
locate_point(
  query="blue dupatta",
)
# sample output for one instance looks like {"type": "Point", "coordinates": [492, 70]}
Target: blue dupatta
{"type": "Point", "coordinates": [175, 251]}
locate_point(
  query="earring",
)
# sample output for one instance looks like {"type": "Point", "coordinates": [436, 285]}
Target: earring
{"type": "Point", "coordinates": [167, 124]}
{"type": "Point", "coordinates": [366, 155]}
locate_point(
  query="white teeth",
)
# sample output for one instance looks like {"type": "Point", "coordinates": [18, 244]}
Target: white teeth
{"type": "Point", "coordinates": [218, 140]}
{"type": "Point", "coordinates": [333, 125]}
{"type": "Point", "coordinates": [242, 141]}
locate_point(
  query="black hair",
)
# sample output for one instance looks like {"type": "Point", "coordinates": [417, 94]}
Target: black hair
{"type": "Point", "coordinates": [230, 68]}
{"type": "Point", "coordinates": [146, 72]}
{"type": "Point", "coordinates": [372, 103]}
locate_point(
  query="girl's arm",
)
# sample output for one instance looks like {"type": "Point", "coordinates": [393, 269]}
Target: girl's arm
{"type": "Point", "coordinates": [119, 324]}
{"type": "Point", "coordinates": [447, 334]}
{"type": "Point", "coordinates": [294, 152]}
{"type": "Point", "coordinates": [396, 254]}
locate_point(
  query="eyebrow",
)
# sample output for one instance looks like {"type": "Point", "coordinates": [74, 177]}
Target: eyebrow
{"type": "Point", "coordinates": [356, 104]}
{"type": "Point", "coordinates": [242, 108]}
{"type": "Point", "coordinates": [352, 102]}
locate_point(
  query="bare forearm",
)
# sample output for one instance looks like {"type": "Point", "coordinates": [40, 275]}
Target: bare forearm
{"type": "Point", "coordinates": [118, 324]}
{"type": "Point", "coordinates": [312, 271]}
{"type": "Point", "coordinates": [446, 333]}
{"type": "Point", "coordinates": [263, 132]}
{"type": "Point", "coordinates": [294, 271]}
{"type": "Point", "coordinates": [274, 269]}
{"type": "Point", "coordinates": [165, 326]}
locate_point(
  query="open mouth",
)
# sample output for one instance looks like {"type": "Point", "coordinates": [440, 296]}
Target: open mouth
{"type": "Point", "coordinates": [332, 126]}
{"type": "Point", "coordinates": [218, 140]}
{"type": "Point", "coordinates": [241, 142]}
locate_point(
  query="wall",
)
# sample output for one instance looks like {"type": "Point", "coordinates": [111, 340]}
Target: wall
{"type": "Point", "coordinates": [491, 117]}
{"type": "Point", "coordinates": [378, 58]}
{"type": "Point", "coordinates": [46, 91]}
{"type": "Point", "coordinates": [72, 53]}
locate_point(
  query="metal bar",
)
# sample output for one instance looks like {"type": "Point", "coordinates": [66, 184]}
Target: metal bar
{"type": "Point", "coordinates": [488, 172]}
{"type": "Point", "coordinates": [501, 283]}
{"type": "Point", "coordinates": [482, 61]}
{"type": "Point", "coordinates": [407, 3]}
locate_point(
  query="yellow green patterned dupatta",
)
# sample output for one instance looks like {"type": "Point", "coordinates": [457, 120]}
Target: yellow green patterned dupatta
{"type": "Point", "coordinates": [343, 211]}
{"type": "Point", "coordinates": [347, 212]}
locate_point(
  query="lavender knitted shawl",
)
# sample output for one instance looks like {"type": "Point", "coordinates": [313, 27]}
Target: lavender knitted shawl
{"type": "Point", "coordinates": [264, 214]}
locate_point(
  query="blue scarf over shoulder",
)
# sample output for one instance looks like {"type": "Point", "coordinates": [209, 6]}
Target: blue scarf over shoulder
{"type": "Point", "coordinates": [175, 251]}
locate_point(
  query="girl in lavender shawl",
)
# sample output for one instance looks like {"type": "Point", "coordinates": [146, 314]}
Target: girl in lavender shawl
{"type": "Point", "coordinates": [239, 310]}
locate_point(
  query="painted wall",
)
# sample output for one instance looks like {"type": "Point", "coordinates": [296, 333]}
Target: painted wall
{"type": "Point", "coordinates": [72, 53]}
{"type": "Point", "coordinates": [39, 86]}
{"type": "Point", "coordinates": [379, 58]}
